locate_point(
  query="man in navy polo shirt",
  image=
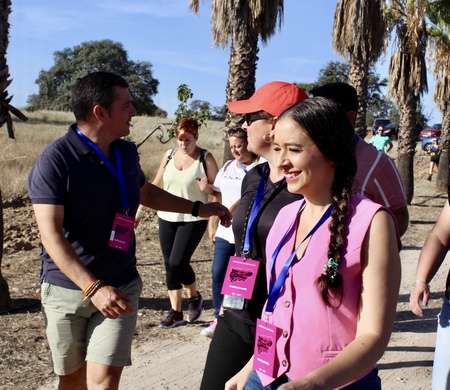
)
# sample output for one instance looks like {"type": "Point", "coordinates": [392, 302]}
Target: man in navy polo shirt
{"type": "Point", "coordinates": [85, 188]}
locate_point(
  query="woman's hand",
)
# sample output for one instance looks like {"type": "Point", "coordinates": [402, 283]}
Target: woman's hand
{"type": "Point", "coordinates": [419, 295]}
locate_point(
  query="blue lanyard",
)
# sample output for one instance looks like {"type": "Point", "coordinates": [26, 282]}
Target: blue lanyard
{"type": "Point", "coordinates": [255, 209]}
{"type": "Point", "coordinates": [243, 167]}
{"type": "Point", "coordinates": [275, 287]}
{"type": "Point", "coordinates": [118, 173]}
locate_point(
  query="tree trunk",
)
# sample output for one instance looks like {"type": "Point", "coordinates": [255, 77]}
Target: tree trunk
{"type": "Point", "coordinates": [406, 146]}
{"type": "Point", "coordinates": [359, 70]}
{"type": "Point", "coordinates": [5, 299]}
{"type": "Point", "coordinates": [241, 77]}
{"type": "Point", "coordinates": [442, 177]}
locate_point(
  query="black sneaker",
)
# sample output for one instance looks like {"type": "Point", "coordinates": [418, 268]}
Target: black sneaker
{"type": "Point", "coordinates": [195, 308]}
{"type": "Point", "coordinates": [175, 318]}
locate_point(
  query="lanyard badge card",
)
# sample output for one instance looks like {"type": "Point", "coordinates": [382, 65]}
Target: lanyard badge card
{"type": "Point", "coordinates": [239, 282]}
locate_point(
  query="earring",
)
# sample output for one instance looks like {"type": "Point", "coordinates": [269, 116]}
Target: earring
{"type": "Point", "coordinates": [267, 138]}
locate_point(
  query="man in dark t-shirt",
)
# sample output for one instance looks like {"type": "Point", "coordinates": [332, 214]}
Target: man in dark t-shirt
{"type": "Point", "coordinates": [85, 188]}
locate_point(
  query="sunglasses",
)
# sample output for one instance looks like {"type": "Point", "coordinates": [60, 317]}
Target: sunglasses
{"type": "Point", "coordinates": [235, 130]}
{"type": "Point", "coordinates": [252, 117]}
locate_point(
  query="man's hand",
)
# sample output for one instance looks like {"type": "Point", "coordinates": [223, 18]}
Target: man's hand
{"type": "Point", "coordinates": [111, 302]}
{"type": "Point", "coordinates": [209, 209]}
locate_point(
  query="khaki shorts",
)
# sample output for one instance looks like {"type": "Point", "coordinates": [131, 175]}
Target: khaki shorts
{"type": "Point", "coordinates": [77, 332]}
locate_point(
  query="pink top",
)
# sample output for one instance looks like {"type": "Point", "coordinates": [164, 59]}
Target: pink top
{"type": "Point", "coordinates": [318, 332]}
{"type": "Point", "coordinates": [378, 178]}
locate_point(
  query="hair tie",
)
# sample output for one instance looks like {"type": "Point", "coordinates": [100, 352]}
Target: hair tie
{"type": "Point", "coordinates": [330, 265]}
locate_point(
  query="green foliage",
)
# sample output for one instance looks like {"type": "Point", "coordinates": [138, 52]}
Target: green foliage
{"type": "Point", "coordinates": [199, 110]}
{"type": "Point", "coordinates": [56, 84]}
{"type": "Point", "coordinates": [379, 106]}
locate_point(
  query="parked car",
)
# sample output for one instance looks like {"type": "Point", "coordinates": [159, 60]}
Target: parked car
{"type": "Point", "coordinates": [379, 122]}
{"type": "Point", "coordinates": [427, 142]}
{"type": "Point", "coordinates": [433, 131]}
{"type": "Point", "coordinates": [391, 130]}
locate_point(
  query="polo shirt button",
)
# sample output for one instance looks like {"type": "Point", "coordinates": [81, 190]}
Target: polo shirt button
{"type": "Point", "coordinates": [284, 363]}
{"type": "Point", "coordinates": [287, 304]}
{"type": "Point", "coordinates": [285, 333]}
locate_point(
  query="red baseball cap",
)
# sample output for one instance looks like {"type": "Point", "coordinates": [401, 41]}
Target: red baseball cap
{"type": "Point", "coordinates": [273, 97]}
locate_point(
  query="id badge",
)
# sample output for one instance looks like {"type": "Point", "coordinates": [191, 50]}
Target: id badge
{"type": "Point", "coordinates": [121, 232]}
{"type": "Point", "coordinates": [240, 277]}
{"type": "Point", "coordinates": [265, 348]}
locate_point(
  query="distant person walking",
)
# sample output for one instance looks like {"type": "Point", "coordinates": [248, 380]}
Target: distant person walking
{"type": "Point", "coordinates": [381, 142]}
{"type": "Point", "coordinates": [435, 154]}
{"type": "Point", "coordinates": [227, 189]}
{"type": "Point", "coordinates": [185, 172]}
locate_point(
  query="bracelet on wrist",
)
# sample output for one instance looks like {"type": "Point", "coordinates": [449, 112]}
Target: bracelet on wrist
{"type": "Point", "coordinates": [195, 208]}
{"type": "Point", "coordinates": [422, 282]}
{"type": "Point", "coordinates": [90, 290]}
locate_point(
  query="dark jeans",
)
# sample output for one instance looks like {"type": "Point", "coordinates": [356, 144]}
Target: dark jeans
{"type": "Point", "coordinates": [230, 350]}
{"type": "Point", "coordinates": [222, 252]}
{"type": "Point", "coordinates": [369, 382]}
{"type": "Point", "coordinates": [178, 242]}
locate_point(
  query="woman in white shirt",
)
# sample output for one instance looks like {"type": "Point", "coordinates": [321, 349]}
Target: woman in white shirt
{"type": "Point", "coordinates": [227, 189]}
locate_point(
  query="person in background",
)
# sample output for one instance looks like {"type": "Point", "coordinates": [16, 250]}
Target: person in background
{"type": "Point", "coordinates": [381, 142]}
{"type": "Point", "coordinates": [227, 190]}
{"type": "Point", "coordinates": [185, 172]}
{"type": "Point", "coordinates": [435, 154]}
{"type": "Point", "coordinates": [333, 265]}
{"type": "Point", "coordinates": [263, 194]}
{"type": "Point", "coordinates": [85, 186]}
{"type": "Point", "coordinates": [377, 177]}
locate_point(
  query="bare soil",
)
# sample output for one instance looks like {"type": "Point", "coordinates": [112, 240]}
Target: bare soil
{"type": "Point", "coordinates": [174, 359]}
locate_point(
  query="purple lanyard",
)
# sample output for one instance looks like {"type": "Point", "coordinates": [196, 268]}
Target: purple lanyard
{"type": "Point", "coordinates": [275, 287]}
{"type": "Point", "coordinates": [118, 173]}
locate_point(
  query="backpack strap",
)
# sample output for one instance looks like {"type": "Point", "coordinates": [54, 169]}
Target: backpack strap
{"type": "Point", "coordinates": [203, 153]}
{"type": "Point", "coordinates": [169, 157]}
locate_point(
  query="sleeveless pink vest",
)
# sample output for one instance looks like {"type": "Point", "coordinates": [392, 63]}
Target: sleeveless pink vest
{"type": "Point", "coordinates": [313, 333]}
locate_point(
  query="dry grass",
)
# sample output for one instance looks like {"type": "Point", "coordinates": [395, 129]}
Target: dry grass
{"type": "Point", "coordinates": [18, 156]}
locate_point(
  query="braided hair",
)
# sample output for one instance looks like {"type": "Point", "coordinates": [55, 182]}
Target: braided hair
{"type": "Point", "coordinates": [330, 129]}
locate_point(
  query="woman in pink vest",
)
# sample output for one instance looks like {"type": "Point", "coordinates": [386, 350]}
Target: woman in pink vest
{"type": "Point", "coordinates": [333, 265]}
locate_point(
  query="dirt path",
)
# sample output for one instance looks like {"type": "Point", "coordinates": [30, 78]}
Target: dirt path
{"type": "Point", "coordinates": [177, 363]}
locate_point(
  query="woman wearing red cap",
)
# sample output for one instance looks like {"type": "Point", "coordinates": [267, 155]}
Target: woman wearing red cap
{"type": "Point", "coordinates": [263, 194]}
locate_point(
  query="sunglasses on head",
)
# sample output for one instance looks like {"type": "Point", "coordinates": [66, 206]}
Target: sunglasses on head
{"type": "Point", "coordinates": [252, 117]}
{"type": "Point", "coordinates": [235, 130]}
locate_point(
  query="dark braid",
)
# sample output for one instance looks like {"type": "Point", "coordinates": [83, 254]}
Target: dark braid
{"type": "Point", "coordinates": [342, 194]}
{"type": "Point", "coordinates": [330, 129]}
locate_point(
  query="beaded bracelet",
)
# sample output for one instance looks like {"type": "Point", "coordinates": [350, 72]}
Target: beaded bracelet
{"type": "Point", "coordinates": [91, 289]}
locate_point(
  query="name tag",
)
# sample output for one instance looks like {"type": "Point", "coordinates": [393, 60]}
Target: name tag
{"type": "Point", "coordinates": [121, 232]}
{"type": "Point", "coordinates": [240, 277]}
{"type": "Point", "coordinates": [264, 359]}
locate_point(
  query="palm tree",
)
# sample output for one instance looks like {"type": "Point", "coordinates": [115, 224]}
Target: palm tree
{"type": "Point", "coordinates": [359, 34]}
{"type": "Point", "coordinates": [242, 23]}
{"type": "Point", "coordinates": [407, 78]}
{"type": "Point", "coordinates": [5, 117]}
{"type": "Point", "coordinates": [439, 44]}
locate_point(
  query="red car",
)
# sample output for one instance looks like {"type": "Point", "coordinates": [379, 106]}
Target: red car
{"type": "Point", "coordinates": [433, 131]}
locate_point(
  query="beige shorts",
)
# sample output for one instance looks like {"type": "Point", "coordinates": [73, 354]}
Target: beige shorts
{"type": "Point", "coordinates": [77, 332]}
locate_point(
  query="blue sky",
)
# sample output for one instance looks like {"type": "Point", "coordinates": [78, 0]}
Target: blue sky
{"type": "Point", "coordinates": [176, 42]}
